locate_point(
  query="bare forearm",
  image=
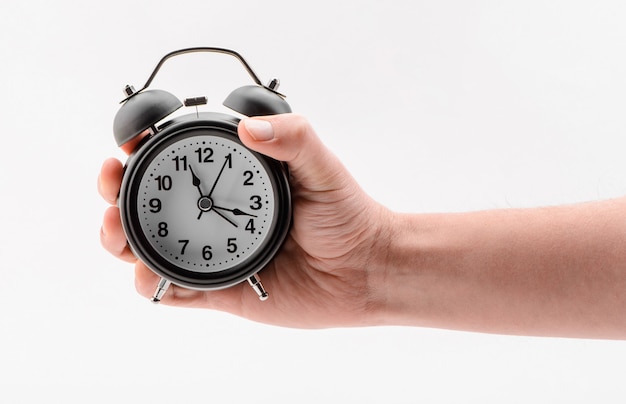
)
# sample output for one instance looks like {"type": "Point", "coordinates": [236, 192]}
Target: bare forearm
{"type": "Point", "coordinates": [548, 271]}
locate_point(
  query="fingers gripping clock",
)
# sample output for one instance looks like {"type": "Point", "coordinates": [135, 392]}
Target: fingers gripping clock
{"type": "Point", "coordinates": [197, 206]}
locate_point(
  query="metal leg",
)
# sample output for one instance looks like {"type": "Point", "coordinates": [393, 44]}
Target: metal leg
{"type": "Point", "coordinates": [160, 290]}
{"type": "Point", "coordinates": [258, 287]}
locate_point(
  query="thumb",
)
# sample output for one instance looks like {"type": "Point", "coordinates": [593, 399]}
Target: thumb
{"type": "Point", "coordinates": [290, 138]}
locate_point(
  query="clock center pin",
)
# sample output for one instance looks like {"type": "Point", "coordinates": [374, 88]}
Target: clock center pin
{"type": "Point", "coordinates": [205, 204]}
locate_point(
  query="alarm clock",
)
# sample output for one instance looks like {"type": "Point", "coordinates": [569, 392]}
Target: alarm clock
{"type": "Point", "coordinates": [199, 208]}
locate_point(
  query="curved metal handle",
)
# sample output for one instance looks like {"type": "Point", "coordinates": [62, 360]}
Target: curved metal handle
{"type": "Point", "coordinates": [198, 49]}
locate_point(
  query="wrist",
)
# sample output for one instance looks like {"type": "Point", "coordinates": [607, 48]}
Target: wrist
{"type": "Point", "coordinates": [416, 275]}
{"type": "Point", "coordinates": [393, 273]}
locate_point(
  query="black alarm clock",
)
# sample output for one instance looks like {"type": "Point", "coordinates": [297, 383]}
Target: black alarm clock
{"type": "Point", "coordinates": [199, 208]}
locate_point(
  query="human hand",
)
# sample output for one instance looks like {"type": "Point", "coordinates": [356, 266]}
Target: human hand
{"type": "Point", "coordinates": [328, 270]}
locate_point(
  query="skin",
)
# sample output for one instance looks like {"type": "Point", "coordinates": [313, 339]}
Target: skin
{"type": "Point", "coordinates": [349, 261]}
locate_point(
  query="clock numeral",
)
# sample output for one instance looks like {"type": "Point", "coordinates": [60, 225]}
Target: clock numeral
{"type": "Point", "coordinates": [250, 226]}
{"type": "Point", "coordinates": [163, 232]}
{"type": "Point", "coordinates": [204, 155]}
{"type": "Point", "coordinates": [207, 254]}
{"type": "Point", "coordinates": [155, 205]}
{"type": "Point", "coordinates": [184, 247]}
{"type": "Point", "coordinates": [232, 247]}
{"type": "Point", "coordinates": [249, 175]}
{"type": "Point", "coordinates": [164, 182]}
{"type": "Point", "coordinates": [256, 202]}
{"type": "Point", "coordinates": [180, 162]}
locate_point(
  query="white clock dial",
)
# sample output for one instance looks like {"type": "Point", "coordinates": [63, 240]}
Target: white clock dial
{"type": "Point", "coordinates": [205, 203]}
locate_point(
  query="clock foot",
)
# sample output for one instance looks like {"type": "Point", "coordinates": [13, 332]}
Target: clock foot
{"type": "Point", "coordinates": [160, 290]}
{"type": "Point", "coordinates": [258, 287]}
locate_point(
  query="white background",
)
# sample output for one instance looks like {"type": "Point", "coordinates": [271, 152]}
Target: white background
{"type": "Point", "coordinates": [433, 106]}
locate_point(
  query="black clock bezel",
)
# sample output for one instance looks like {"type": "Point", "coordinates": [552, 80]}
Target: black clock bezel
{"type": "Point", "coordinates": [174, 130]}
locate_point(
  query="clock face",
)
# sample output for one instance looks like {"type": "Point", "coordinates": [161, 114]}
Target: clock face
{"type": "Point", "coordinates": [204, 203]}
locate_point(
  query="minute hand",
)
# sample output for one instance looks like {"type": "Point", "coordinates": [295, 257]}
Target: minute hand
{"type": "Point", "coordinates": [227, 161]}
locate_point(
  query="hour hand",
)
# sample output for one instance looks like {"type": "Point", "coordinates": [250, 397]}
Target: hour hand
{"type": "Point", "coordinates": [236, 212]}
{"type": "Point", "coordinates": [195, 180]}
